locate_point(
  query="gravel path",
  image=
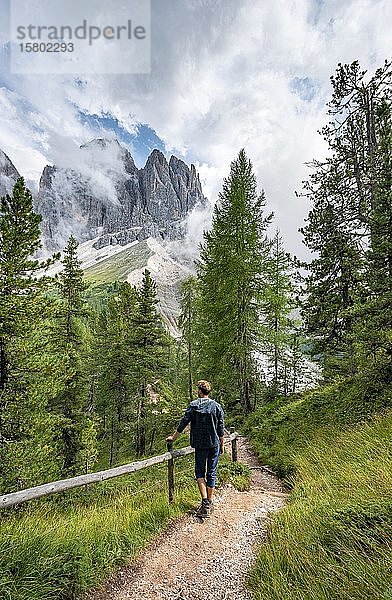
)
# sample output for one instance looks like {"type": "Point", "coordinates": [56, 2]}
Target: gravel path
{"type": "Point", "coordinates": [195, 560]}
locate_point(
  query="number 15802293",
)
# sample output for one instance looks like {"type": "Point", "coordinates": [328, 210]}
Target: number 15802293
{"type": "Point", "coordinates": [47, 47]}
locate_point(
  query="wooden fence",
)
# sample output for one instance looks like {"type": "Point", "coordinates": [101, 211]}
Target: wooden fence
{"type": "Point", "coordinates": [67, 484]}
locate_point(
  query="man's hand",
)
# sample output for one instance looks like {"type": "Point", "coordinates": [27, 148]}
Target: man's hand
{"type": "Point", "coordinates": [222, 448]}
{"type": "Point", "coordinates": [173, 437]}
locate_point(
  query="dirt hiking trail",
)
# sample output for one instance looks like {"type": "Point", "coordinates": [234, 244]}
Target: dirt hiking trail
{"type": "Point", "coordinates": [194, 560]}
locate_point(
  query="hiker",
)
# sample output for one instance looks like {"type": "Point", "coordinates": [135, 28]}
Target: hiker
{"type": "Point", "coordinates": [207, 430]}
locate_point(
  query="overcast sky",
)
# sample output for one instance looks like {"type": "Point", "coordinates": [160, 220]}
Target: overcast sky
{"type": "Point", "coordinates": [225, 74]}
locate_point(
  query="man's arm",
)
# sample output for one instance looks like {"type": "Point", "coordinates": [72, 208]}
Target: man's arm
{"type": "Point", "coordinates": [221, 429]}
{"type": "Point", "coordinates": [181, 426]}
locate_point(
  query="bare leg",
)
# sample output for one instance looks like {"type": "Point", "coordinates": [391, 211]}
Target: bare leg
{"type": "Point", "coordinates": [210, 492]}
{"type": "Point", "coordinates": [202, 487]}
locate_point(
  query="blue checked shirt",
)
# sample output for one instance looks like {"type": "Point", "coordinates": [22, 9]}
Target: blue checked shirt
{"type": "Point", "coordinates": [207, 422]}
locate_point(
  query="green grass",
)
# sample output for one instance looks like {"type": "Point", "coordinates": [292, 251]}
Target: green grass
{"type": "Point", "coordinates": [116, 268]}
{"type": "Point", "coordinates": [55, 549]}
{"type": "Point", "coordinates": [334, 539]}
{"type": "Point", "coordinates": [281, 429]}
{"type": "Point", "coordinates": [58, 547]}
{"type": "Point", "coordinates": [238, 474]}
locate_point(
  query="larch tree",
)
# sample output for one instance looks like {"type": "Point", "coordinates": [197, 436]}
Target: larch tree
{"type": "Point", "coordinates": [278, 318]}
{"type": "Point", "coordinates": [232, 281]}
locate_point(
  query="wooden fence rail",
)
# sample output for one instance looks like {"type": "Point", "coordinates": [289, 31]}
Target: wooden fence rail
{"type": "Point", "coordinates": [66, 484]}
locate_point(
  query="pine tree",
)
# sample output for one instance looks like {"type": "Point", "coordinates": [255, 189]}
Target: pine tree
{"type": "Point", "coordinates": [22, 307]}
{"type": "Point", "coordinates": [231, 278]}
{"type": "Point", "coordinates": [349, 225]}
{"type": "Point", "coordinates": [72, 287]}
{"type": "Point", "coordinates": [149, 340]}
{"type": "Point", "coordinates": [69, 344]}
{"type": "Point", "coordinates": [19, 281]}
{"type": "Point", "coordinates": [332, 284]}
{"type": "Point", "coordinates": [187, 326]}
{"type": "Point", "coordinates": [278, 319]}
{"type": "Point", "coordinates": [137, 390]}
{"type": "Point", "coordinates": [117, 377]}
{"type": "Point", "coordinates": [374, 315]}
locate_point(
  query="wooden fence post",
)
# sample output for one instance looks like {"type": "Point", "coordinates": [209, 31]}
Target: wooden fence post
{"type": "Point", "coordinates": [170, 473]}
{"type": "Point", "coordinates": [234, 453]}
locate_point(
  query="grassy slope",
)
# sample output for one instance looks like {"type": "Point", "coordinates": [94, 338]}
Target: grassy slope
{"type": "Point", "coordinates": [334, 539]}
{"type": "Point", "coordinates": [57, 548]}
{"type": "Point", "coordinates": [118, 266]}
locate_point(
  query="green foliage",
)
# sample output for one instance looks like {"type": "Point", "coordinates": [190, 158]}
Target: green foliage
{"type": "Point", "coordinates": [281, 428]}
{"type": "Point", "coordinates": [136, 385]}
{"type": "Point", "coordinates": [113, 364]}
{"type": "Point", "coordinates": [280, 335]}
{"type": "Point", "coordinates": [236, 473]}
{"type": "Point", "coordinates": [22, 309]}
{"type": "Point", "coordinates": [68, 342]}
{"type": "Point", "coordinates": [230, 285]}
{"type": "Point", "coordinates": [186, 322]}
{"type": "Point", "coordinates": [61, 547]}
{"type": "Point", "coordinates": [347, 307]}
{"type": "Point", "coordinates": [332, 541]}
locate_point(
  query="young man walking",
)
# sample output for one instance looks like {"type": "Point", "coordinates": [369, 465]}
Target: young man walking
{"type": "Point", "coordinates": [206, 420]}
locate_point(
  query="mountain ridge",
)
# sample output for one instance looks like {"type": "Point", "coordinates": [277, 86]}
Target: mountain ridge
{"type": "Point", "coordinates": [100, 193]}
{"type": "Point", "coordinates": [123, 228]}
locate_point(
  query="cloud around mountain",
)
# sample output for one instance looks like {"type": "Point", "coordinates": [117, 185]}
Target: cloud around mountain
{"type": "Point", "coordinates": [225, 75]}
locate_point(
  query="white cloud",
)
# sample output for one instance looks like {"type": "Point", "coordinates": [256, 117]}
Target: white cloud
{"type": "Point", "coordinates": [222, 78]}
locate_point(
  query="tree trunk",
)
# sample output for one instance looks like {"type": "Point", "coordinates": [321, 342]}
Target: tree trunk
{"type": "Point", "coordinates": [190, 382]}
{"type": "Point", "coordinates": [111, 442]}
{"type": "Point", "coordinates": [154, 430]}
{"type": "Point", "coordinates": [141, 426]}
{"type": "Point", "coordinates": [3, 365]}
{"type": "Point", "coordinates": [244, 389]}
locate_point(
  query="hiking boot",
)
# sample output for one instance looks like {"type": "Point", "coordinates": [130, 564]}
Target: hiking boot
{"type": "Point", "coordinates": [211, 506]}
{"type": "Point", "coordinates": [204, 510]}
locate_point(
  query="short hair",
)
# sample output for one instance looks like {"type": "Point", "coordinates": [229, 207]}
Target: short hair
{"type": "Point", "coordinates": [204, 386]}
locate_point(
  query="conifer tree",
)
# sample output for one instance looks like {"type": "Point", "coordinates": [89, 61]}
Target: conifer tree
{"type": "Point", "coordinates": [374, 315]}
{"type": "Point", "coordinates": [69, 344]}
{"type": "Point", "coordinates": [149, 340]}
{"type": "Point", "coordinates": [349, 225]}
{"type": "Point", "coordinates": [116, 368]}
{"type": "Point", "coordinates": [187, 325]}
{"type": "Point", "coordinates": [22, 308]}
{"type": "Point", "coordinates": [19, 281]}
{"type": "Point", "coordinates": [232, 282]}
{"type": "Point", "coordinates": [278, 320]}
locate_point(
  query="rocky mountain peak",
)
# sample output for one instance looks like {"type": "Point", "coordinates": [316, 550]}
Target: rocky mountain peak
{"type": "Point", "coordinates": [156, 157]}
{"type": "Point", "coordinates": [102, 195]}
{"type": "Point", "coordinates": [8, 174]}
{"type": "Point", "coordinates": [105, 196]}
{"type": "Point", "coordinates": [101, 143]}
{"type": "Point", "coordinates": [46, 177]}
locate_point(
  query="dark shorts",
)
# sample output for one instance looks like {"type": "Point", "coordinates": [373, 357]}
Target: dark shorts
{"type": "Point", "coordinates": [206, 460]}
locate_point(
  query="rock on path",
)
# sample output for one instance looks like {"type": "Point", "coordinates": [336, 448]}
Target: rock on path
{"type": "Point", "coordinates": [195, 560]}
